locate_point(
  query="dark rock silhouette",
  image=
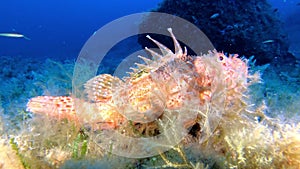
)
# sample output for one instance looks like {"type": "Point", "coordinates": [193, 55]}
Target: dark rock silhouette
{"type": "Point", "coordinates": [243, 27]}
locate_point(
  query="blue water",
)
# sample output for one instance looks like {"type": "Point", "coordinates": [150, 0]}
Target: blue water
{"type": "Point", "coordinates": [59, 28]}
{"type": "Point", "coordinates": [289, 11]}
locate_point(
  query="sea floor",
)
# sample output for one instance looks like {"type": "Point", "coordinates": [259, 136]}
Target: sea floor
{"type": "Point", "coordinates": [23, 78]}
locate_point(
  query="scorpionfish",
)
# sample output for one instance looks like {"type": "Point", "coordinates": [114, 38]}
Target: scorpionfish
{"type": "Point", "coordinates": [167, 81]}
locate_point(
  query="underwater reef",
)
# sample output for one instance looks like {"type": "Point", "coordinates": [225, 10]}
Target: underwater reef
{"type": "Point", "coordinates": [209, 96]}
{"type": "Point", "coordinates": [250, 28]}
{"type": "Point", "coordinates": [235, 111]}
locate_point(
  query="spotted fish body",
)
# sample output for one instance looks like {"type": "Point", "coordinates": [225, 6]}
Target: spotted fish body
{"type": "Point", "coordinates": [58, 107]}
{"type": "Point", "coordinates": [148, 91]}
{"type": "Point", "coordinates": [169, 81]}
{"type": "Point", "coordinates": [99, 88]}
{"type": "Point", "coordinates": [233, 70]}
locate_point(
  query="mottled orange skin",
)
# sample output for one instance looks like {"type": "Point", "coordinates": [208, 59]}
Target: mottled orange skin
{"type": "Point", "coordinates": [139, 90]}
{"type": "Point", "coordinates": [165, 83]}
{"type": "Point", "coordinates": [63, 107]}
{"type": "Point", "coordinates": [57, 107]}
{"type": "Point", "coordinates": [234, 71]}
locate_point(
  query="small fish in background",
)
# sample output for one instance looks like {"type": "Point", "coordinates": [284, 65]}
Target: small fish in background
{"type": "Point", "coordinates": [14, 35]}
{"type": "Point", "coordinates": [275, 10]}
{"type": "Point", "coordinates": [268, 41]}
{"type": "Point", "coordinates": [298, 4]}
{"type": "Point", "coordinates": [214, 16]}
{"type": "Point", "coordinates": [196, 21]}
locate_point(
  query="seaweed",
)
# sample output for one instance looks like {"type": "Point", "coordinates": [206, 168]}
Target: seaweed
{"type": "Point", "coordinates": [80, 145]}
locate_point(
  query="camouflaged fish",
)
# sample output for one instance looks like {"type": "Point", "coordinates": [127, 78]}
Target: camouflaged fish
{"type": "Point", "coordinates": [169, 82]}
